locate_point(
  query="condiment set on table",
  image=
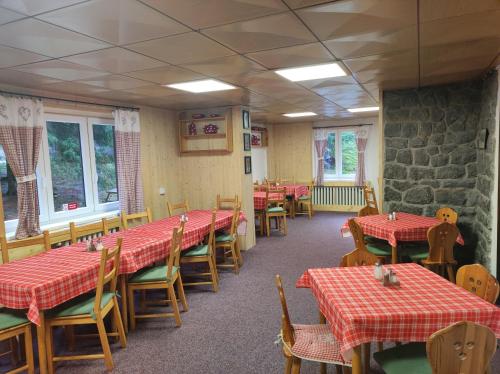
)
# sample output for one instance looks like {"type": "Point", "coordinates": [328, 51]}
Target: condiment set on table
{"type": "Point", "coordinates": [392, 216]}
{"type": "Point", "coordinates": [98, 246]}
{"type": "Point", "coordinates": [387, 277]}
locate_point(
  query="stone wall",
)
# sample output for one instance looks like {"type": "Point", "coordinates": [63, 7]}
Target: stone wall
{"type": "Point", "coordinates": [431, 155]}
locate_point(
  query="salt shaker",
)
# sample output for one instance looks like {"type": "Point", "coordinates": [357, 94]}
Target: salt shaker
{"type": "Point", "coordinates": [378, 272]}
{"type": "Point", "coordinates": [393, 216]}
{"type": "Point", "coordinates": [99, 246]}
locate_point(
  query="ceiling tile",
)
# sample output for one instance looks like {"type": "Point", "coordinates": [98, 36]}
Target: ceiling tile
{"type": "Point", "coordinates": [460, 29]}
{"type": "Point", "coordinates": [40, 37]}
{"type": "Point", "coordinates": [180, 49]}
{"type": "Point", "coordinates": [431, 10]}
{"type": "Point", "coordinates": [165, 75]}
{"type": "Point", "coordinates": [32, 7]}
{"type": "Point", "coordinates": [12, 57]}
{"type": "Point", "coordinates": [391, 70]}
{"type": "Point", "coordinates": [119, 96]}
{"type": "Point", "coordinates": [115, 82]}
{"type": "Point", "coordinates": [306, 54]}
{"type": "Point", "coordinates": [224, 66]}
{"type": "Point", "coordinates": [7, 15]}
{"type": "Point", "coordinates": [21, 79]}
{"type": "Point", "coordinates": [74, 88]}
{"type": "Point", "coordinates": [215, 12]}
{"type": "Point", "coordinates": [318, 84]}
{"type": "Point", "coordinates": [153, 91]}
{"type": "Point", "coordinates": [115, 60]}
{"type": "Point", "coordinates": [62, 70]}
{"type": "Point", "coordinates": [294, 4]}
{"type": "Point", "coordinates": [115, 21]}
{"type": "Point", "coordinates": [373, 43]}
{"type": "Point", "coordinates": [358, 17]}
{"type": "Point", "coordinates": [281, 30]}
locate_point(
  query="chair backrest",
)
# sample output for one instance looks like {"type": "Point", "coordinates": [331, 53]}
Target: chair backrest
{"type": "Point", "coordinates": [126, 218]}
{"type": "Point", "coordinates": [60, 238]}
{"type": "Point", "coordinates": [40, 240]}
{"type": "Point", "coordinates": [106, 276]}
{"type": "Point", "coordinates": [286, 325]}
{"type": "Point", "coordinates": [281, 201]}
{"type": "Point", "coordinates": [441, 239]}
{"type": "Point", "coordinates": [358, 258]}
{"type": "Point", "coordinates": [447, 215]}
{"type": "Point", "coordinates": [357, 235]}
{"type": "Point", "coordinates": [235, 220]}
{"type": "Point", "coordinates": [174, 255]}
{"type": "Point", "coordinates": [286, 180]}
{"type": "Point", "coordinates": [464, 347]}
{"type": "Point", "coordinates": [478, 280]}
{"type": "Point", "coordinates": [89, 231]}
{"type": "Point", "coordinates": [367, 211]}
{"type": "Point", "coordinates": [211, 234]}
{"type": "Point", "coordinates": [227, 202]}
{"type": "Point", "coordinates": [370, 199]}
{"type": "Point", "coordinates": [183, 207]}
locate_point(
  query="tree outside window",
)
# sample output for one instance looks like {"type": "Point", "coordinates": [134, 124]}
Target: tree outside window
{"type": "Point", "coordinates": [341, 155]}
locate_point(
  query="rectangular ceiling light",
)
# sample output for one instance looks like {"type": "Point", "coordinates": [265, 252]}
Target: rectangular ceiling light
{"type": "Point", "coordinates": [206, 85]}
{"type": "Point", "coordinates": [365, 109]}
{"type": "Point", "coordinates": [306, 73]}
{"type": "Point", "coordinates": [300, 114]}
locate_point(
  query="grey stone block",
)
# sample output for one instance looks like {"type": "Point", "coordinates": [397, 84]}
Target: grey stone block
{"type": "Point", "coordinates": [418, 173]}
{"type": "Point", "coordinates": [404, 157]}
{"type": "Point", "coordinates": [395, 171]}
{"type": "Point", "coordinates": [421, 157]}
{"type": "Point", "coordinates": [450, 172]}
{"type": "Point", "coordinates": [419, 195]}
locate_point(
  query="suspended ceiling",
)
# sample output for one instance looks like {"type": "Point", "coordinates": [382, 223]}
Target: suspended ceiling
{"type": "Point", "coordinates": [123, 51]}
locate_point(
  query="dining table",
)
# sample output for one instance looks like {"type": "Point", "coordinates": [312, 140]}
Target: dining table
{"type": "Point", "coordinates": [46, 280]}
{"type": "Point", "coordinates": [359, 309]}
{"type": "Point", "coordinates": [295, 191]}
{"type": "Point", "coordinates": [406, 227]}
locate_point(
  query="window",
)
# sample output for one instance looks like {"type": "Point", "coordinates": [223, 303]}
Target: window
{"type": "Point", "coordinates": [76, 172]}
{"type": "Point", "coordinates": [341, 155]}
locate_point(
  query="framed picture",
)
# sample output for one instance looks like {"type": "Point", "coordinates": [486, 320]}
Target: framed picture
{"type": "Point", "coordinates": [248, 165]}
{"type": "Point", "coordinates": [246, 119]}
{"type": "Point", "coordinates": [247, 142]}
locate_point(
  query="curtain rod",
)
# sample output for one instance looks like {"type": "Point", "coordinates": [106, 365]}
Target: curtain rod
{"type": "Point", "coordinates": [67, 100]}
{"type": "Point", "coordinates": [336, 127]}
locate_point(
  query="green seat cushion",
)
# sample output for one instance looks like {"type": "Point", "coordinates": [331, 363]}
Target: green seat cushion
{"type": "Point", "coordinates": [276, 209]}
{"type": "Point", "coordinates": [83, 304]}
{"type": "Point", "coordinates": [415, 257]}
{"type": "Point", "coordinates": [404, 359]}
{"type": "Point", "coordinates": [11, 318]}
{"type": "Point", "coordinates": [379, 249]}
{"type": "Point", "coordinates": [154, 274]}
{"type": "Point", "coordinates": [224, 238]}
{"type": "Point", "coordinates": [199, 250]}
{"type": "Point", "coordinates": [305, 197]}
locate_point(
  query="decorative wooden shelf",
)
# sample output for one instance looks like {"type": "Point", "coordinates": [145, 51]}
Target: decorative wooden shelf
{"type": "Point", "coordinates": [205, 136]}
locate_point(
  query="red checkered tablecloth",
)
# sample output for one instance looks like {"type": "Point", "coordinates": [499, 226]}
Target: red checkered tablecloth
{"type": "Point", "coordinates": [294, 190]}
{"type": "Point", "coordinates": [259, 199]}
{"type": "Point", "coordinates": [51, 278]}
{"type": "Point", "coordinates": [359, 309]}
{"type": "Point", "coordinates": [406, 228]}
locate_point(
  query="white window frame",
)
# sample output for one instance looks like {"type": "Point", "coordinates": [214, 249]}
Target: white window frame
{"type": "Point", "coordinates": [48, 215]}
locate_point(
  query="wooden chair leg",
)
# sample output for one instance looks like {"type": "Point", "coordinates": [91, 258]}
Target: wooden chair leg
{"type": "Point", "coordinates": [380, 346]}
{"type": "Point", "coordinates": [119, 323]}
{"type": "Point", "coordinates": [131, 307]}
{"type": "Point", "coordinates": [366, 357]}
{"type": "Point", "coordinates": [238, 253]}
{"type": "Point", "coordinates": [235, 258]}
{"type": "Point", "coordinates": [296, 365]}
{"type": "Point", "coordinates": [28, 349]}
{"type": "Point", "coordinates": [288, 365]}
{"type": "Point", "coordinates": [451, 273]}
{"type": "Point", "coordinates": [108, 359]}
{"type": "Point", "coordinates": [268, 228]}
{"type": "Point", "coordinates": [285, 225]}
{"type": "Point", "coordinates": [322, 368]}
{"type": "Point", "coordinates": [309, 210]}
{"type": "Point", "coordinates": [49, 344]}
{"type": "Point", "coordinates": [213, 274]}
{"type": "Point", "coordinates": [175, 307]}
{"type": "Point", "coordinates": [182, 295]}
{"type": "Point", "coordinates": [338, 369]}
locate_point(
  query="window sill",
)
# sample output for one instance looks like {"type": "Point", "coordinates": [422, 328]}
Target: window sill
{"type": "Point", "coordinates": [78, 220]}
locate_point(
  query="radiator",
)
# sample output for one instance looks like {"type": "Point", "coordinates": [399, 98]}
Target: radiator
{"type": "Point", "coordinates": [338, 198]}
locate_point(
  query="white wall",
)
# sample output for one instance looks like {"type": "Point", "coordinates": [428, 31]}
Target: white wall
{"type": "Point", "coordinates": [259, 163]}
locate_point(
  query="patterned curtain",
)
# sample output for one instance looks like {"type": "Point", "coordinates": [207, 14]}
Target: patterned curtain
{"type": "Point", "coordinates": [128, 160]}
{"type": "Point", "coordinates": [21, 127]}
{"type": "Point", "coordinates": [361, 140]}
{"type": "Point", "coordinates": [320, 142]}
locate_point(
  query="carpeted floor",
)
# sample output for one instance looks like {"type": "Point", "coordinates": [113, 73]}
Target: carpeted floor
{"type": "Point", "coordinates": [233, 331]}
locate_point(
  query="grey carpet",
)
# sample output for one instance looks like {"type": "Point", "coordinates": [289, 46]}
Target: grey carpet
{"type": "Point", "coordinates": [233, 331]}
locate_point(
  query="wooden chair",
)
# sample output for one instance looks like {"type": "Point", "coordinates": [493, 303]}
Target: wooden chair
{"type": "Point", "coordinates": [379, 248]}
{"type": "Point", "coordinates": [163, 277]}
{"type": "Point", "coordinates": [228, 242]}
{"type": "Point", "coordinates": [306, 201]}
{"type": "Point", "coordinates": [225, 203]}
{"type": "Point", "coordinates": [447, 215]}
{"type": "Point", "coordinates": [306, 342]}
{"type": "Point", "coordinates": [87, 232]}
{"type": "Point", "coordinates": [477, 279]}
{"type": "Point", "coordinates": [183, 207]}
{"type": "Point", "coordinates": [439, 255]}
{"type": "Point", "coordinates": [463, 347]}
{"type": "Point", "coordinates": [358, 258]}
{"type": "Point", "coordinates": [276, 209]}
{"type": "Point", "coordinates": [204, 253]}
{"type": "Point", "coordinates": [14, 324]}
{"type": "Point", "coordinates": [24, 244]}
{"type": "Point", "coordinates": [126, 218]}
{"type": "Point", "coordinates": [91, 309]}
{"type": "Point", "coordinates": [370, 199]}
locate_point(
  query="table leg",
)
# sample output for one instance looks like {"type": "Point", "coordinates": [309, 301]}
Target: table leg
{"type": "Point", "coordinates": [366, 357]}
{"type": "Point", "coordinates": [322, 318]}
{"type": "Point", "coordinates": [394, 254]}
{"type": "Point", "coordinates": [123, 294]}
{"type": "Point", "coordinates": [356, 360]}
{"type": "Point", "coordinates": [42, 349]}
